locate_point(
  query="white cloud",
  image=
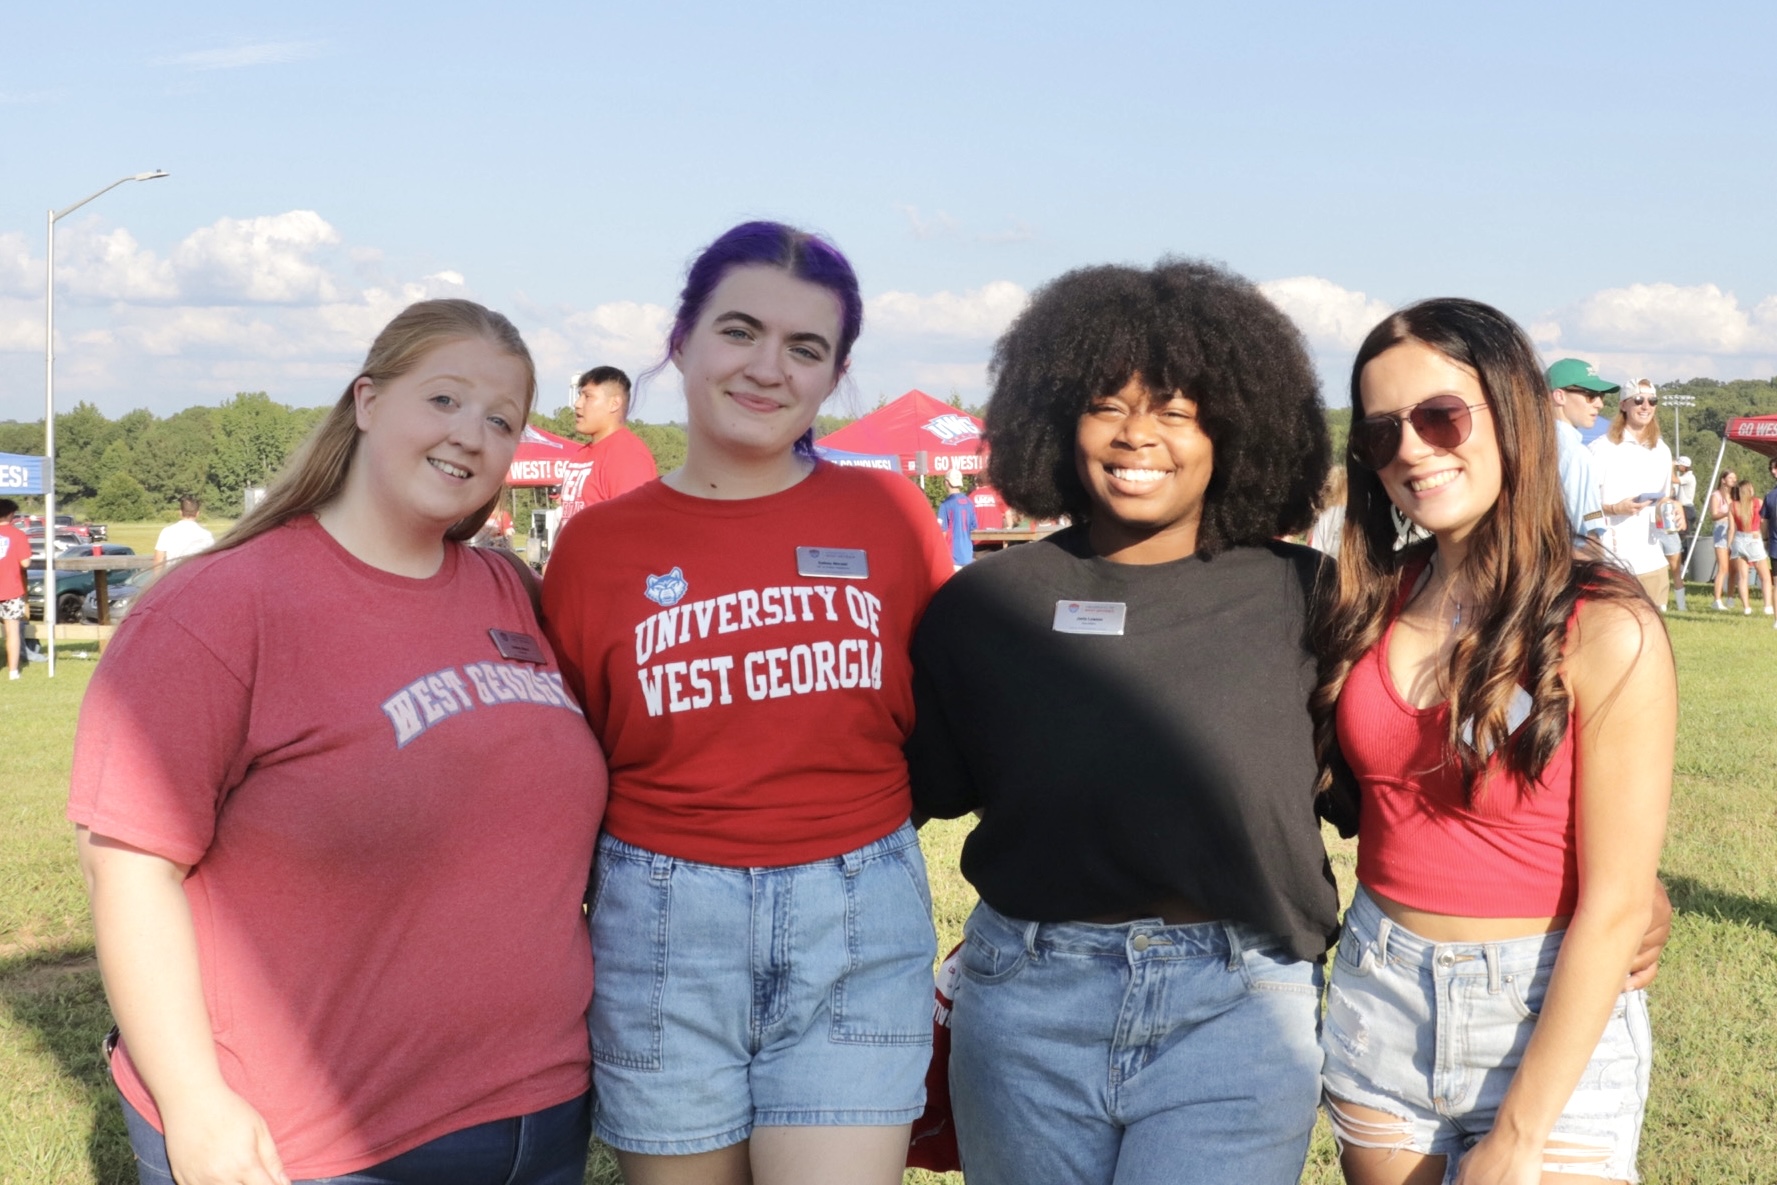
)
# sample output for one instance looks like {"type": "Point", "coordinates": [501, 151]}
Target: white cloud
{"type": "Point", "coordinates": [110, 266]}
{"type": "Point", "coordinates": [1666, 318]}
{"type": "Point", "coordinates": [269, 259]}
{"type": "Point", "coordinates": [1332, 318]}
{"type": "Point", "coordinates": [937, 226]}
{"type": "Point", "coordinates": [982, 313]}
{"type": "Point", "coordinates": [19, 273]}
{"type": "Point", "coordinates": [236, 57]}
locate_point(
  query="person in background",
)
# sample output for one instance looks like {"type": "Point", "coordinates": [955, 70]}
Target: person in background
{"type": "Point", "coordinates": [1721, 501]}
{"type": "Point", "coordinates": [1329, 520]}
{"type": "Point", "coordinates": [339, 927]}
{"type": "Point", "coordinates": [1577, 394]}
{"type": "Point", "coordinates": [1634, 469]}
{"type": "Point", "coordinates": [15, 553]}
{"type": "Point", "coordinates": [1746, 545]}
{"type": "Point", "coordinates": [956, 515]}
{"type": "Point", "coordinates": [1687, 490]}
{"type": "Point", "coordinates": [738, 632]}
{"type": "Point", "coordinates": [613, 460]}
{"type": "Point", "coordinates": [1769, 508]}
{"type": "Point", "coordinates": [183, 538]}
{"type": "Point", "coordinates": [1509, 711]}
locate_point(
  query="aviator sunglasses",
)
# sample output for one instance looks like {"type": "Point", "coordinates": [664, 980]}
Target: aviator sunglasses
{"type": "Point", "coordinates": [1443, 421]}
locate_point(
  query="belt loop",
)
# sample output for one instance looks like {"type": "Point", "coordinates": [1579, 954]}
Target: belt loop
{"type": "Point", "coordinates": [660, 868]}
{"type": "Point", "coordinates": [1491, 950]}
{"type": "Point", "coordinates": [851, 862]}
{"type": "Point", "coordinates": [1234, 947]}
{"type": "Point", "coordinates": [1030, 938]}
{"type": "Point", "coordinates": [1384, 928]}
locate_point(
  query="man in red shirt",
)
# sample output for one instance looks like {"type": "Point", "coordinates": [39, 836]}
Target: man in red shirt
{"type": "Point", "coordinates": [15, 553]}
{"type": "Point", "coordinates": [614, 460]}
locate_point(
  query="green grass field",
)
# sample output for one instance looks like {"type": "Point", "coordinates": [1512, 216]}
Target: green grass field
{"type": "Point", "coordinates": [1715, 1004]}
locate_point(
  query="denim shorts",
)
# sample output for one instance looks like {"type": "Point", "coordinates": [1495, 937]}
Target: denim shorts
{"type": "Point", "coordinates": [1749, 547]}
{"type": "Point", "coordinates": [1720, 536]}
{"type": "Point", "coordinates": [1670, 542]}
{"type": "Point", "coordinates": [546, 1147]}
{"type": "Point", "coordinates": [1141, 1053]}
{"type": "Point", "coordinates": [1433, 1032]}
{"type": "Point", "coordinates": [729, 998]}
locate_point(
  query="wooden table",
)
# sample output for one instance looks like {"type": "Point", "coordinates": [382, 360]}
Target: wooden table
{"type": "Point", "coordinates": [101, 566]}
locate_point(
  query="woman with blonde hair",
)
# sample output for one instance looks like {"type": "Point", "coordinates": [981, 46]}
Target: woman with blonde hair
{"type": "Point", "coordinates": [340, 930]}
{"type": "Point", "coordinates": [1634, 468]}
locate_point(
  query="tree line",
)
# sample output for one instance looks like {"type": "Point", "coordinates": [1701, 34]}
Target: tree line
{"type": "Point", "coordinates": [138, 466]}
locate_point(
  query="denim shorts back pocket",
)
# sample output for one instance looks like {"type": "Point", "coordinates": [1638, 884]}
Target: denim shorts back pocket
{"type": "Point", "coordinates": [632, 904]}
{"type": "Point", "coordinates": [884, 996]}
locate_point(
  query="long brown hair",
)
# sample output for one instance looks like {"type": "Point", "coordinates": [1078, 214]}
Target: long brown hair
{"type": "Point", "coordinates": [1619, 427]}
{"type": "Point", "coordinates": [1520, 563]}
{"type": "Point", "coordinates": [317, 473]}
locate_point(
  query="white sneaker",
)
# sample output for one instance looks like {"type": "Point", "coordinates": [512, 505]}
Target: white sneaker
{"type": "Point", "coordinates": [12, 674]}
{"type": "Point", "coordinates": [1769, 611]}
{"type": "Point", "coordinates": [1747, 610]}
{"type": "Point", "coordinates": [1720, 606]}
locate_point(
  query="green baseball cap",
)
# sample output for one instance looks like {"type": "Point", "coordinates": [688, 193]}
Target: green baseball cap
{"type": "Point", "coordinates": [1577, 372]}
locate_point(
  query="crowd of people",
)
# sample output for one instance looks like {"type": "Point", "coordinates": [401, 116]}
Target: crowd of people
{"type": "Point", "coordinates": [347, 935]}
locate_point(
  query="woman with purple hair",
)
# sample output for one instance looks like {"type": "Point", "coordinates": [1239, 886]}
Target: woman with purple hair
{"type": "Point", "coordinates": [738, 633]}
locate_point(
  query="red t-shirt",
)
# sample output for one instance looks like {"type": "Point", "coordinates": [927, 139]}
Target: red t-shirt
{"type": "Point", "coordinates": [15, 552]}
{"type": "Point", "coordinates": [599, 472]}
{"type": "Point", "coordinates": [752, 700]}
{"type": "Point", "coordinates": [390, 828]}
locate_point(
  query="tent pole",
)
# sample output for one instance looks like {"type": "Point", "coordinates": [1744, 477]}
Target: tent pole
{"type": "Point", "coordinates": [1685, 568]}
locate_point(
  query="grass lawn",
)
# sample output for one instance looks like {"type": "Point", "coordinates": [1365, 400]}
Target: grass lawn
{"type": "Point", "coordinates": [1714, 1006]}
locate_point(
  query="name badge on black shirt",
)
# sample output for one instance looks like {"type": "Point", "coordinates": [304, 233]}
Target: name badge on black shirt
{"type": "Point", "coordinates": [1089, 617]}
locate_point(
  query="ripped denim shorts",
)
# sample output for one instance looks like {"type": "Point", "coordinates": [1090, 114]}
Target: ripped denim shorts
{"type": "Point", "coordinates": [1433, 1031]}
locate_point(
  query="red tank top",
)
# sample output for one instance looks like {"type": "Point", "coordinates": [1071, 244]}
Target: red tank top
{"type": "Point", "coordinates": [1510, 854]}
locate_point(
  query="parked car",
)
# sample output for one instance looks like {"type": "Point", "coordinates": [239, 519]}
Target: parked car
{"type": "Point", "coordinates": [64, 540]}
{"type": "Point", "coordinates": [122, 596]}
{"type": "Point", "coordinates": [72, 588]}
{"type": "Point", "coordinates": [90, 532]}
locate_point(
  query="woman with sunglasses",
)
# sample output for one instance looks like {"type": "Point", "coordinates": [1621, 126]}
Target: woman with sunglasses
{"type": "Point", "coordinates": [1509, 713]}
{"type": "Point", "coordinates": [1721, 502]}
{"type": "Point", "coordinates": [1634, 469]}
{"type": "Point", "coordinates": [1747, 545]}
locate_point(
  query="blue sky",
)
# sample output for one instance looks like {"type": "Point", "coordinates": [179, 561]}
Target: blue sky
{"type": "Point", "coordinates": [1604, 172]}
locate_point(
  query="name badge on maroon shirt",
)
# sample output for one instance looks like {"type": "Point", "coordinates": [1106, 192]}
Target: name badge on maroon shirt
{"type": "Point", "coordinates": [517, 647]}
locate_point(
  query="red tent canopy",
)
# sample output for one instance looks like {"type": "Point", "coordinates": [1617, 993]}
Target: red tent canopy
{"type": "Point", "coordinates": [1758, 433]}
{"type": "Point", "coordinates": [539, 458]}
{"type": "Point", "coordinates": [916, 423]}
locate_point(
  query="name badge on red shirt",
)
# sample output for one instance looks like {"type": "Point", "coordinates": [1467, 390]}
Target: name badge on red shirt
{"type": "Point", "coordinates": [517, 647]}
{"type": "Point", "coordinates": [842, 563]}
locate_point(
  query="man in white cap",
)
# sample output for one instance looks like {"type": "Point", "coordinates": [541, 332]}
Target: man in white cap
{"type": "Point", "coordinates": [1634, 468]}
{"type": "Point", "coordinates": [1578, 393]}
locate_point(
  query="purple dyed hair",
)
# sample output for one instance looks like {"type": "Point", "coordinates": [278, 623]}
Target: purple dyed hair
{"type": "Point", "coordinates": [806, 256]}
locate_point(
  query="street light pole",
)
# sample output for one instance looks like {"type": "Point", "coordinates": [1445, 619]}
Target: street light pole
{"type": "Point", "coordinates": [49, 406]}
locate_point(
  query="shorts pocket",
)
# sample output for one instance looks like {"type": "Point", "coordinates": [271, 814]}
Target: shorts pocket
{"type": "Point", "coordinates": [986, 961]}
{"type": "Point", "coordinates": [884, 996]}
{"type": "Point", "coordinates": [1354, 954]}
{"type": "Point", "coordinates": [631, 906]}
{"type": "Point", "coordinates": [1269, 967]}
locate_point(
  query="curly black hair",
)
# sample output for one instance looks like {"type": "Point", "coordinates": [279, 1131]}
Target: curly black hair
{"type": "Point", "coordinates": [1187, 326]}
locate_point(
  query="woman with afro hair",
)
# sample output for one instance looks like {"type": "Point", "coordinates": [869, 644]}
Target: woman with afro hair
{"type": "Point", "coordinates": [1124, 704]}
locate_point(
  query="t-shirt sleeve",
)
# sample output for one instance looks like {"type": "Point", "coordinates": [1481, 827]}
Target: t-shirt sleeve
{"type": "Point", "coordinates": [564, 607]}
{"type": "Point", "coordinates": [161, 739]}
{"type": "Point", "coordinates": [628, 466]}
{"type": "Point", "coordinates": [162, 540]}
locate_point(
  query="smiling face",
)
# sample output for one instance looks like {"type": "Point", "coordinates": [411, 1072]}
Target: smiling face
{"type": "Point", "coordinates": [1145, 462]}
{"type": "Point", "coordinates": [1640, 415]}
{"type": "Point", "coordinates": [1446, 491]}
{"type": "Point", "coordinates": [758, 363]}
{"type": "Point", "coordinates": [437, 439]}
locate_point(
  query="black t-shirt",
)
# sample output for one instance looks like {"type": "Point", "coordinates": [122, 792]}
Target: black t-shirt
{"type": "Point", "coordinates": [1114, 772]}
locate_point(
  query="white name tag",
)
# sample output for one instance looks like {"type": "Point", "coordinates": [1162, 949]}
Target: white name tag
{"type": "Point", "coordinates": [1089, 617]}
{"type": "Point", "coordinates": [842, 563]}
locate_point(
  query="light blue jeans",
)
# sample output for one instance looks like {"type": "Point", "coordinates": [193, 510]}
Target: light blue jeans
{"type": "Point", "coordinates": [1127, 1054]}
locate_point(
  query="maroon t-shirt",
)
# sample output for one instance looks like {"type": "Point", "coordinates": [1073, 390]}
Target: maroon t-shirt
{"type": "Point", "coordinates": [390, 823]}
